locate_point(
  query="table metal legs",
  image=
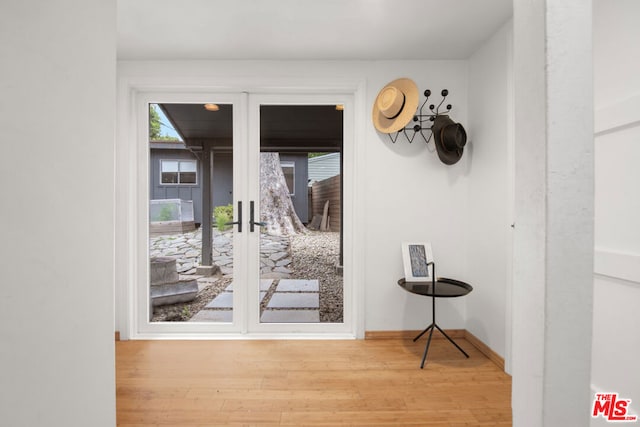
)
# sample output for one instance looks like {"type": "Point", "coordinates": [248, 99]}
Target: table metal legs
{"type": "Point", "coordinates": [430, 328]}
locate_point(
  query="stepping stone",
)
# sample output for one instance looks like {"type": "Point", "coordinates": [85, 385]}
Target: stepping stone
{"type": "Point", "coordinates": [262, 295]}
{"type": "Point", "coordinates": [213, 316]}
{"type": "Point", "coordinates": [278, 256]}
{"type": "Point", "coordinates": [298, 285]}
{"type": "Point", "coordinates": [224, 300]}
{"type": "Point", "coordinates": [294, 300]}
{"type": "Point", "coordinates": [265, 284]}
{"type": "Point", "coordinates": [290, 316]}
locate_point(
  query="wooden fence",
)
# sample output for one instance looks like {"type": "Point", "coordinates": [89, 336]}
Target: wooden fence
{"type": "Point", "coordinates": [321, 191]}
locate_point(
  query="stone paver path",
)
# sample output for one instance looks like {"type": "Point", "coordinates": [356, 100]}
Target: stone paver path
{"type": "Point", "coordinates": [294, 301]}
{"type": "Point", "coordinates": [275, 252]}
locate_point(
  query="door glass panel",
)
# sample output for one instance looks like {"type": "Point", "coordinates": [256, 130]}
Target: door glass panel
{"type": "Point", "coordinates": [190, 205]}
{"type": "Point", "coordinates": [301, 277]}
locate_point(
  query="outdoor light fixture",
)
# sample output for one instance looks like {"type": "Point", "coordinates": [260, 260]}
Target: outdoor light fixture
{"type": "Point", "coordinates": [211, 107]}
{"type": "Point", "coordinates": [340, 107]}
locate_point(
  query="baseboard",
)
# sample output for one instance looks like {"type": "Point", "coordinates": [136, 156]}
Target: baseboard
{"type": "Point", "coordinates": [402, 335]}
{"type": "Point", "coordinates": [484, 349]}
{"type": "Point", "coordinates": [453, 333]}
{"type": "Point", "coordinates": [117, 335]}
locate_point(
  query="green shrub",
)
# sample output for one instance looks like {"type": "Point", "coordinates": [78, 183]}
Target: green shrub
{"type": "Point", "coordinates": [222, 215]}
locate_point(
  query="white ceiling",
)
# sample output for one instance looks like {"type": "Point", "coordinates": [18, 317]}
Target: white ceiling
{"type": "Point", "coordinates": [306, 29]}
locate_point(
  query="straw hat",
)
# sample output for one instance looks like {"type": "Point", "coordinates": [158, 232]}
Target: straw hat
{"type": "Point", "coordinates": [395, 105]}
{"type": "Point", "coordinates": [450, 139]}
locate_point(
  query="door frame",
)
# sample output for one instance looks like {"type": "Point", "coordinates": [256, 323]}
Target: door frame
{"type": "Point", "coordinates": [140, 291]}
{"type": "Point", "coordinates": [131, 223]}
{"type": "Point", "coordinates": [255, 101]}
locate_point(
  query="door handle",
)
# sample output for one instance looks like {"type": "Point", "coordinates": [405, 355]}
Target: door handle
{"type": "Point", "coordinates": [239, 221]}
{"type": "Point", "coordinates": [253, 223]}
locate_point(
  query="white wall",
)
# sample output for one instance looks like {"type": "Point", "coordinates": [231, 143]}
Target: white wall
{"type": "Point", "coordinates": [412, 196]}
{"type": "Point", "coordinates": [490, 151]}
{"type": "Point", "coordinates": [408, 194]}
{"type": "Point", "coordinates": [553, 236]}
{"type": "Point", "coordinates": [616, 341]}
{"type": "Point", "coordinates": [57, 117]}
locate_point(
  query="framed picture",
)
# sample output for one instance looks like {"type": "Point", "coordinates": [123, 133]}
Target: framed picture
{"type": "Point", "coordinates": [416, 258]}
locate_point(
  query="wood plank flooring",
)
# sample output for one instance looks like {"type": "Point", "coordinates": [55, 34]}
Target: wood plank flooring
{"type": "Point", "coordinates": [308, 383]}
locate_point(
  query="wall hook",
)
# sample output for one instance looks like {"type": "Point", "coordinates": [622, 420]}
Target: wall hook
{"type": "Point", "coordinates": [424, 118]}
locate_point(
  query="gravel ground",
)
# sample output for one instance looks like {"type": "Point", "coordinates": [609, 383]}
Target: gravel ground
{"type": "Point", "coordinates": [314, 256]}
{"type": "Point", "coordinates": [182, 312]}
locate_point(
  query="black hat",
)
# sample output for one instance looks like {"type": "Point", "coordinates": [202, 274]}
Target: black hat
{"type": "Point", "coordinates": [450, 139]}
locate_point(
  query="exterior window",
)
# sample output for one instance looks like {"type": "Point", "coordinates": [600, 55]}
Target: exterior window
{"type": "Point", "coordinates": [289, 171]}
{"type": "Point", "coordinates": [178, 172]}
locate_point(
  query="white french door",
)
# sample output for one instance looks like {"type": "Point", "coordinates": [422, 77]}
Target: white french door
{"type": "Point", "coordinates": [295, 306]}
{"type": "Point", "coordinates": [244, 314]}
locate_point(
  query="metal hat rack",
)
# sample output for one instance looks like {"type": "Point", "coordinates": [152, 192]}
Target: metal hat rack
{"type": "Point", "coordinates": [421, 119]}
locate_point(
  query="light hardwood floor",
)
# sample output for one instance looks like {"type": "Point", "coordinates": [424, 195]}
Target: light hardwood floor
{"type": "Point", "coordinates": [314, 383]}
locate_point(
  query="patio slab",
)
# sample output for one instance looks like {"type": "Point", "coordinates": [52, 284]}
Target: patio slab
{"type": "Point", "coordinates": [213, 316]}
{"type": "Point", "coordinates": [290, 316]}
{"type": "Point", "coordinates": [265, 284]}
{"type": "Point", "coordinates": [223, 300]}
{"type": "Point", "coordinates": [298, 285]}
{"type": "Point", "coordinates": [294, 300]}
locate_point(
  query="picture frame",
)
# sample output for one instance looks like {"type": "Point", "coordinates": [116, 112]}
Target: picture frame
{"type": "Point", "coordinates": [416, 258]}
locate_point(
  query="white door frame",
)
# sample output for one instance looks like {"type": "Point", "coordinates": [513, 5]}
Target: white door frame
{"type": "Point", "coordinates": [140, 287]}
{"type": "Point", "coordinates": [132, 186]}
{"type": "Point", "coordinates": [253, 169]}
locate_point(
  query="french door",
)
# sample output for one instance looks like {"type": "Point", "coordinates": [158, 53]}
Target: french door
{"type": "Point", "coordinates": [257, 289]}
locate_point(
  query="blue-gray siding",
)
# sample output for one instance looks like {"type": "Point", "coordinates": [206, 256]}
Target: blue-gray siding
{"type": "Point", "coordinates": [301, 192]}
{"type": "Point", "coordinates": [222, 177]}
{"type": "Point", "coordinates": [175, 191]}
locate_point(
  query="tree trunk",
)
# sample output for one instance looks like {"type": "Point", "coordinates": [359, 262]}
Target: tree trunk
{"type": "Point", "coordinates": [276, 207]}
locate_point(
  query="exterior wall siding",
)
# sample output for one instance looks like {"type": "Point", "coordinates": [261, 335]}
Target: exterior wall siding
{"type": "Point", "coordinates": [158, 191]}
{"type": "Point", "coordinates": [222, 176]}
{"type": "Point", "coordinates": [323, 167]}
{"type": "Point", "coordinates": [300, 197]}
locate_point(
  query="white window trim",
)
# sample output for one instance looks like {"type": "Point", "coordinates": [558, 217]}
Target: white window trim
{"type": "Point", "coordinates": [179, 183]}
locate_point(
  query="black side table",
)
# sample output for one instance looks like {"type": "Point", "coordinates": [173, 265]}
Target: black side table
{"type": "Point", "coordinates": [441, 288]}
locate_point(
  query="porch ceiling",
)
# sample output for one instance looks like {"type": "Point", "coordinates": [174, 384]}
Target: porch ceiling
{"type": "Point", "coordinates": [288, 128]}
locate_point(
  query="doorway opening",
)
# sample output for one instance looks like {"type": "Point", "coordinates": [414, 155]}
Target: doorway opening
{"type": "Point", "coordinates": [190, 206]}
{"type": "Point", "coordinates": [195, 218]}
{"type": "Point", "coordinates": [301, 204]}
